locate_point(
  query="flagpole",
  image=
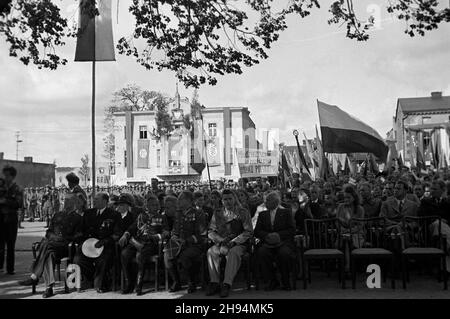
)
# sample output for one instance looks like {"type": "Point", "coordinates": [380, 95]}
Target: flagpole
{"type": "Point", "coordinates": [93, 120]}
{"type": "Point", "coordinates": [204, 151]}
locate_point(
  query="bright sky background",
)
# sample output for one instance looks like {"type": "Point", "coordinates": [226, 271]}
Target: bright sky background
{"type": "Point", "coordinates": [312, 60]}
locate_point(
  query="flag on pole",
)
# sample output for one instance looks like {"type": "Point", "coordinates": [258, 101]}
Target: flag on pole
{"type": "Point", "coordinates": [420, 163]}
{"type": "Point", "coordinates": [323, 169]}
{"type": "Point", "coordinates": [95, 36]}
{"type": "Point", "coordinates": [400, 162]}
{"type": "Point", "coordinates": [343, 133]}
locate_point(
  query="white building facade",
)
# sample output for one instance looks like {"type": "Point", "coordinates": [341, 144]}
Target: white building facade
{"type": "Point", "coordinates": [140, 156]}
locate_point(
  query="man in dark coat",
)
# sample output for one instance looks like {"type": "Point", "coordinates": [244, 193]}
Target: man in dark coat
{"type": "Point", "coordinates": [142, 240]}
{"type": "Point", "coordinates": [11, 200]}
{"type": "Point", "coordinates": [276, 229]}
{"type": "Point", "coordinates": [65, 227]}
{"type": "Point", "coordinates": [103, 224]}
{"type": "Point", "coordinates": [190, 229]}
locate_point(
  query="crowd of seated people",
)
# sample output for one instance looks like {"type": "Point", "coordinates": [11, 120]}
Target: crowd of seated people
{"type": "Point", "coordinates": [188, 222]}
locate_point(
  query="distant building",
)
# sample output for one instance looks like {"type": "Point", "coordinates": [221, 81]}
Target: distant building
{"type": "Point", "coordinates": [141, 156]}
{"type": "Point", "coordinates": [102, 175]}
{"type": "Point", "coordinates": [29, 173]}
{"type": "Point", "coordinates": [422, 122]}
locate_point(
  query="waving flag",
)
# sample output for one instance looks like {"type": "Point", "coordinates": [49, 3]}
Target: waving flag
{"type": "Point", "coordinates": [343, 133]}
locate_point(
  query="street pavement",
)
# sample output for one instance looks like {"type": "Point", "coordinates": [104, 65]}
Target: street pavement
{"type": "Point", "coordinates": [322, 287]}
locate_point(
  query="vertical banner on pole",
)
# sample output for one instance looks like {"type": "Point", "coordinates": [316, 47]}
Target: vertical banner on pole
{"type": "Point", "coordinates": [94, 43]}
{"type": "Point", "coordinates": [95, 37]}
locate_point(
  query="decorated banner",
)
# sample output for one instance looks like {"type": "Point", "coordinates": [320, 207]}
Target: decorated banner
{"type": "Point", "coordinates": [95, 32]}
{"type": "Point", "coordinates": [256, 163]}
{"type": "Point", "coordinates": [143, 147]}
{"type": "Point", "coordinates": [213, 151]}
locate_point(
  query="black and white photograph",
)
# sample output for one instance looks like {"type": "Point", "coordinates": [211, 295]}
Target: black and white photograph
{"type": "Point", "coordinates": [219, 155]}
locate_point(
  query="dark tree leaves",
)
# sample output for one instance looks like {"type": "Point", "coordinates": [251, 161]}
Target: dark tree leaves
{"type": "Point", "coordinates": [198, 39]}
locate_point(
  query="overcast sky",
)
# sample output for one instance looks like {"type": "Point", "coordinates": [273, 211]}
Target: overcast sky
{"type": "Point", "coordinates": [312, 60]}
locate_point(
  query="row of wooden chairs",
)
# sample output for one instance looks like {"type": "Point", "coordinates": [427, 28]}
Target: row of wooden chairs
{"type": "Point", "coordinates": [374, 239]}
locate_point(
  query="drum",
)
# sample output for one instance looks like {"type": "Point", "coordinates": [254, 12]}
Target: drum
{"type": "Point", "coordinates": [89, 249]}
{"type": "Point", "coordinates": [172, 248]}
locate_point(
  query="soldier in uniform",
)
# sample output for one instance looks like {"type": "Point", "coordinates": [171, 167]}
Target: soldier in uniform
{"type": "Point", "coordinates": [190, 230]}
{"type": "Point", "coordinates": [143, 239]}
{"type": "Point", "coordinates": [65, 227]}
{"type": "Point", "coordinates": [103, 224]}
{"type": "Point", "coordinates": [74, 187]}
{"type": "Point", "coordinates": [33, 201]}
{"type": "Point", "coordinates": [11, 200]}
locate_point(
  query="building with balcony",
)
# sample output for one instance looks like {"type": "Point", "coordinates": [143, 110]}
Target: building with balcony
{"type": "Point", "coordinates": [214, 135]}
{"type": "Point", "coordinates": [423, 123]}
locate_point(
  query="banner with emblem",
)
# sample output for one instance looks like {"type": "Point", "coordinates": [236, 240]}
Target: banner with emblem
{"type": "Point", "coordinates": [143, 147]}
{"type": "Point", "coordinates": [213, 151]}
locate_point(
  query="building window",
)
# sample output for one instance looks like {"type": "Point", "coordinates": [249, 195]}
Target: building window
{"type": "Point", "coordinates": [143, 132]}
{"type": "Point", "coordinates": [426, 119]}
{"type": "Point", "coordinates": [125, 158]}
{"type": "Point", "coordinates": [125, 132]}
{"type": "Point", "coordinates": [174, 163]}
{"type": "Point", "coordinates": [158, 158]}
{"type": "Point", "coordinates": [212, 129]}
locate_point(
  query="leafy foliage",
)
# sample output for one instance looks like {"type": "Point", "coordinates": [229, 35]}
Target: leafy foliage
{"type": "Point", "coordinates": [198, 39]}
{"type": "Point", "coordinates": [85, 169]}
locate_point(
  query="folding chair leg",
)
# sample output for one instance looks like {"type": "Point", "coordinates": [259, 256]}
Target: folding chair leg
{"type": "Point", "coordinates": [156, 276]}
{"type": "Point", "coordinates": [342, 263]}
{"type": "Point", "coordinates": [353, 271]}
{"type": "Point", "coordinates": [404, 271]}
{"type": "Point", "coordinates": [304, 273]}
{"type": "Point", "coordinates": [58, 269]}
{"type": "Point", "coordinates": [122, 281]}
{"type": "Point", "coordinates": [309, 272]}
{"type": "Point", "coordinates": [393, 272]}
{"type": "Point", "coordinates": [444, 270]}
{"type": "Point", "coordinates": [166, 277]}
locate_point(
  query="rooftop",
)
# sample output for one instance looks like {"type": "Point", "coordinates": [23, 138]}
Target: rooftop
{"type": "Point", "coordinates": [433, 103]}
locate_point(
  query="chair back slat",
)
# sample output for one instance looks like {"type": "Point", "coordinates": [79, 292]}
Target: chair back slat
{"type": "Point", "coordinates": [368, 232]}
{"type": "Point", "coordinates": [423, 231]}
{"type": "Point", "coordinates": [322, 233]}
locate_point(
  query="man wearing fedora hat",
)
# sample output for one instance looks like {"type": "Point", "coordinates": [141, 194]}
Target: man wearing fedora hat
{"type": "Point", "coordinates": [275, 229]}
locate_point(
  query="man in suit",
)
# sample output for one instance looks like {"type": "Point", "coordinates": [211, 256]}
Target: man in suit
{"type": "Point", "coordinates": [437, 205]}
{"type": "Point", "coordinates": [398, 206]}
{"type": "Point", "coordinates": [276, 229]}
{"type": "Point", "coordinates": [230, 229]}
{"type": "Point", "coordinates": [316, 203]}
{"type": "Point", "coordinates": [101, 223]}
{"type": "Point", "coordinates": [371, 205]}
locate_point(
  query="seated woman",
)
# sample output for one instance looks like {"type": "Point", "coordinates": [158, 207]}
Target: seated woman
{"type": "Point", "coordinates": [65, 227]}
{"type": "Point", "coordinates": [350, 208]}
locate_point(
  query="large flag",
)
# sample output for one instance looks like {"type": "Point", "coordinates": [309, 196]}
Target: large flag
{"type": "Point", "coordinates": [420, 163]}
{"type": "Point", "coordinates": [342, 133]}
{"type": "Point", "coordinates": [323, 169]}
{"type": "Point", "coordinates": [95, 36]}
